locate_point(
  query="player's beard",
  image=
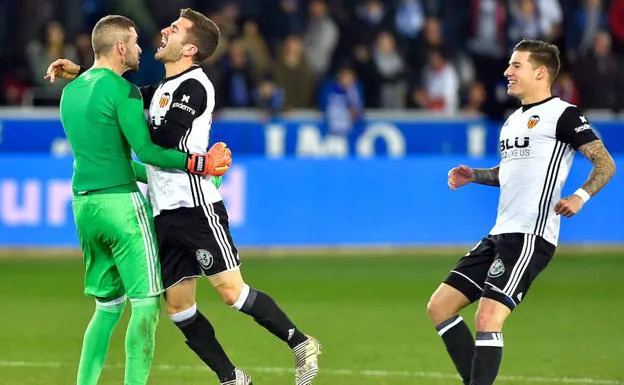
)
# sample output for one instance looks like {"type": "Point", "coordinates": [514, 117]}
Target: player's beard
{"type": "Point", "coordinates": [168, 54]}
{"type": "Point", "coordinates": [132, 61]}
{"type": "Point", "coordinates": [134, 64]}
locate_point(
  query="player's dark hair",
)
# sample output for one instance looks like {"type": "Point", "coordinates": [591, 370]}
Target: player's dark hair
{"type": "Point", "coordinates": [204, 34]}
{"type": "Point", "coordinates": [107, 32]}
{"type": "Point", "coordinates": [542, 54]}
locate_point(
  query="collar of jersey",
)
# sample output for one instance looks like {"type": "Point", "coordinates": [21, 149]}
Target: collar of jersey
{"type": "Point", "coordinates": [191, 68]}
{"type": "Point", "coordinates": [525, 107]}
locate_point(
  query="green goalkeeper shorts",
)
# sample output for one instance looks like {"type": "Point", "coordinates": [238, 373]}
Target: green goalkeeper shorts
{"type": "Point", "coordinates": [116, 234]}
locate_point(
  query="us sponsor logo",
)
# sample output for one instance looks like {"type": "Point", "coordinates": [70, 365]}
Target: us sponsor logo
{"type": "Point", "coordinates": [164, 100]}
{"type": "Point", "coordinates": [533, 120]}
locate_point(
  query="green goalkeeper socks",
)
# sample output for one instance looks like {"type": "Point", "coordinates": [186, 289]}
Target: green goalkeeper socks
{"type": "Point", "coordinates": [140, 339]}
{"type": "Point", "coordinates": [97, 338]}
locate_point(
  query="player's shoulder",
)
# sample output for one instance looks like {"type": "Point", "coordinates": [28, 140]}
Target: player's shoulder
{"type": "Point", "coordinates": [567, 112]}
{"type": "Point", "coordinates": [558, 107]}
{"type": "Point", "coordinates": [116, 82]}
{"type": "Point", "coordinates": [192, 77]}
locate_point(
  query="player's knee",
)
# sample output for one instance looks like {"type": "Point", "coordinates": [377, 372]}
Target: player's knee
{"type": "Point", "coordinates": [178, 305]}
{"type": "Point", "coordinates": [437, 310]}
{"type": "Point", "coordinates": [236, 295]}
{"type": "Point", "coordinates": [489, 318]}
{"type": "Point", "coordinates": [230, 294]}
{"type": "Point", "coordinates": [483, 320]}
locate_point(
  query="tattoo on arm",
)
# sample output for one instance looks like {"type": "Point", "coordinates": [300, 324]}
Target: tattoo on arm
{"type": "Point", "coordinates": [487, 176]}
{"type": "Point", "coordinates": [603, 169]}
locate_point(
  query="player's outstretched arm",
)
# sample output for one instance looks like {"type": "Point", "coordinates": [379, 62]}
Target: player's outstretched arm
{"type": "Point", "coordinates": [67, 69]}
{"type": "Point", "coordinates": [602, 171]}
{"type": "Point", "coordinates": [462, 175]}
{"type": "Point", "coordinates": [62, 68]}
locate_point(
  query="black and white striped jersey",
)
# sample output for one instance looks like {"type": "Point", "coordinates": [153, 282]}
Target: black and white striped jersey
{"type": "Point", "coordinates": [537, 145]}
{"type": "Point", "coordinates": [180, 116]}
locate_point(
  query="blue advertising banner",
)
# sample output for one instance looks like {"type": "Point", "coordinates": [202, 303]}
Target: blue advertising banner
{"type": "Point", "coordinates": [382, 136]}
{"type": "Point", "coordinates": [315, 203]}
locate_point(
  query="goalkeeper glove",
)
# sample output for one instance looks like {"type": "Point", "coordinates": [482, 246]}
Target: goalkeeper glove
{"type": "Point", "coordinates": [215, 162]}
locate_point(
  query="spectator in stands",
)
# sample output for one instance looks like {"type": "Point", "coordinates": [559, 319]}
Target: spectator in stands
{"type": "Point", "coordinates": [237, 79]}
{"type": "Point", "coordinates": [282, 18]}
{"type": "Point", "coordinates": [616, 25]}
{"type": "Point", "coordinates": [367, 72]}
{"type": "Point", "coordinates": [582, 26]}
{"type": "Point", "coordinates": [294, 75]}
{"type": "Point", "coordinates": [371, 18]}
{"type": "Point", "coordinates": [341, 101]}
{"type": "Point", "coordinates": [139, 11]}
{"type": "Point", "coordinates": [488, 45]}
{"type": "Point", "coordinates": [409, 21]}
{"type": "Point", "coordinates": [320, 37]}
{"type": "Point", "coordinates": [550, 18]}
{"type": "Point", "coordinates": [440, 90]}
{"type": "Point", "coordinates": [269, 97]}
{"type": "Point", "coordinates": [525, 22]}
{"type": "Point", "coordinates": [432, 38]}
{"type": "Point", "coordinates": [84, 52]}
{"type": "Point", "coordinates": [475, 99]}
{"type": "Point", "coordinates": [564, 88]}
{"type": "Point", "coordinates": [597, 74]}
{"type": "Point", "coordinates": [229, 13]}
{"type": "Point", "coordinates": [257, 48]}
{"type": "Point", "coordinates": [455, 16]}
{"type": "Point", "coordinates": [40, 53]}
{"type": "Point", "coordinates": [391, 68]}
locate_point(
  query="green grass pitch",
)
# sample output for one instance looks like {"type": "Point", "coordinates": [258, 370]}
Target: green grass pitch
{"type": "Point", "coordinates": [369, 314]}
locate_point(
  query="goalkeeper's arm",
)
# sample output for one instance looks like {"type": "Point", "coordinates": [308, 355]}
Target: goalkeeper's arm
{"type": "Point", "coordinates": [139, 171]}
{"type": "Point", "coordinates": [132, 122]}
{"type": "Point", "coordinates": [141, 174]}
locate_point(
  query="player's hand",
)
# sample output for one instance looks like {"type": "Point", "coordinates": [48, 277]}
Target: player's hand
{"type": "Point", "coordinates": [569, 206]}
{"type": "Point", "coordinates": [215, 162]}
{"type": "Point", "coordinates": [223, 158]}
{"type": "Point", "coordinates": [459, 176]}
{"type": "Point", "coordinates": [62, 68]}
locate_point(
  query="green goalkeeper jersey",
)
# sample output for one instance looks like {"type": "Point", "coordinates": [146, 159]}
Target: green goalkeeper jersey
{"type": "Point", "coordinates": [102, 115]}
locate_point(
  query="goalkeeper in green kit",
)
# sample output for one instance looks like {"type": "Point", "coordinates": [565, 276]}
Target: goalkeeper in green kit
{"type": "Point", "coordinates": [102, 115]}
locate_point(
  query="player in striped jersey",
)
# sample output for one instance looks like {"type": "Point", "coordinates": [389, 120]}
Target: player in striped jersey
{"type": "Point", "coordinates": [191, 218]}
{"type": "Point", "coordinates": [537, 144]}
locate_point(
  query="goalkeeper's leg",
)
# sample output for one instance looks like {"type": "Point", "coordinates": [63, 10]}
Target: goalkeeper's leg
{"type": "Point", "coordinates": [140, 339]}
{"type": "Point", "coordinates": [102, 281]}
{"type": "Point", "coordinates": [136, 257]}
{"type": "Point", "coordinates": [97, 338]}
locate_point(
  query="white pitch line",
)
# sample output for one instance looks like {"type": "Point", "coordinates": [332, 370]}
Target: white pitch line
{"type": "Point", "coordinates": [338, 372]}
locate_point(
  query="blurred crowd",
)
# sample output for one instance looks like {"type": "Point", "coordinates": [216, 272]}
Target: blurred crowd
{"type": "Point", "coordinates": [339, 56]}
